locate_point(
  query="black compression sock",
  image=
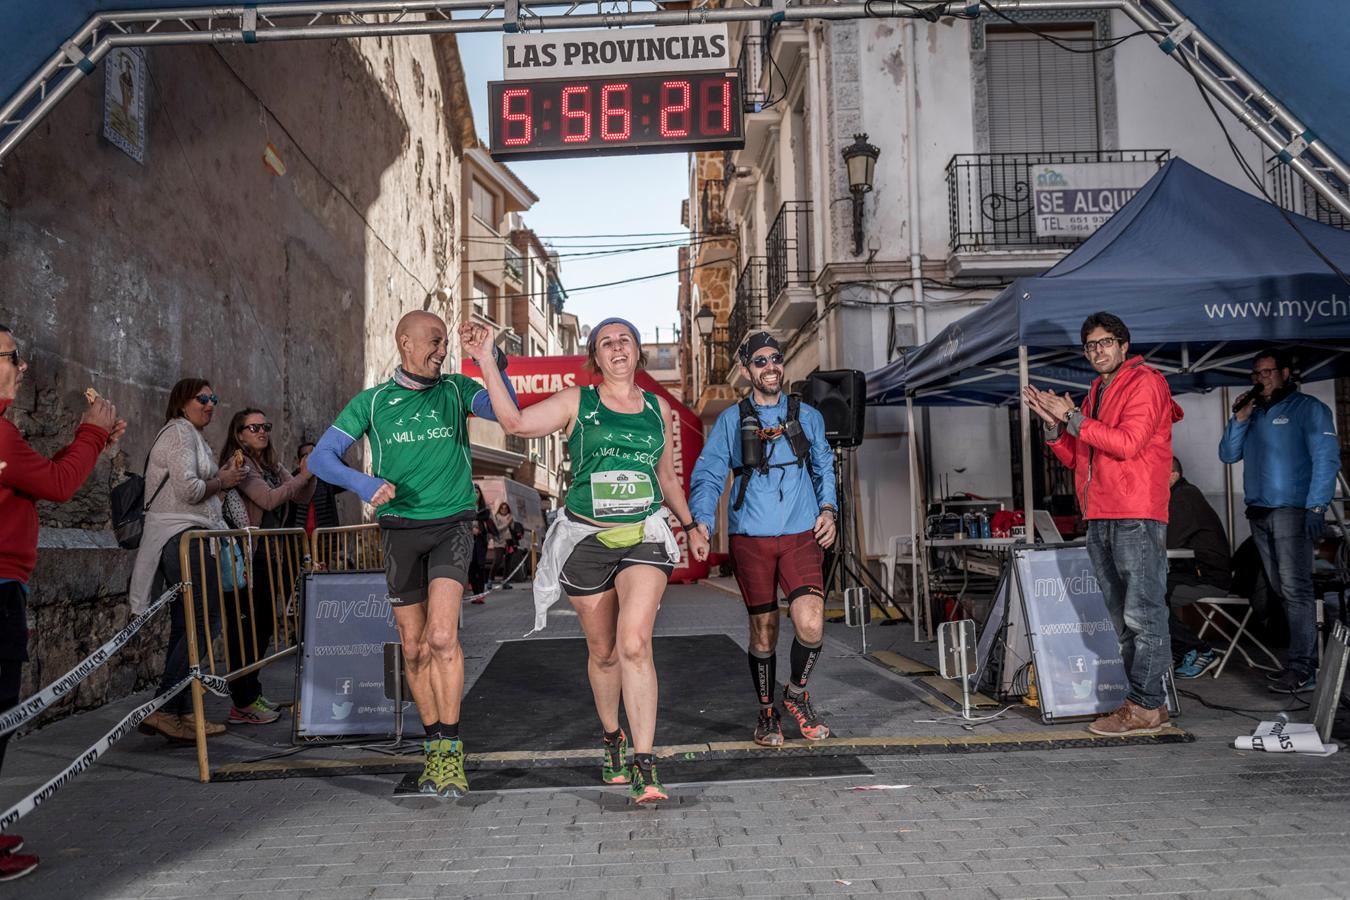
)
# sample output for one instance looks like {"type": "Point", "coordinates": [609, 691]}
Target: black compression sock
{"type": "Point", "coordinates": [763, 672]}
{"type": "Point", "coordinates": [643, 761]}
{"type": "Point", "coordinates": [450, 731]}
{"type": "Point", "coordinates": [804, 658]}
{"type": "Point", "coordinates": [613, 736]}
{"type": "Point", "coordinates": [433, 729]}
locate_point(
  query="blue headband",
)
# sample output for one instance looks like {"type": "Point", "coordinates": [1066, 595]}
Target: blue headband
{"type": "Point", "coordinates": [613, 320]}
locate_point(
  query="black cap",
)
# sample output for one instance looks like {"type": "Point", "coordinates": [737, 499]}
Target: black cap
{"type": "Point", "coordinates": [757, 341]}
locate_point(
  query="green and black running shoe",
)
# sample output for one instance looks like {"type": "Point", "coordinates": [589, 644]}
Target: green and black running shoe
{"type": "Point", "coordinates": [614, 768]}
{"type": "Point", "coordinates": [450, 778]}
{"type": "Point", "coordinates": [426, 782]}
{"type": "Point", "coordinates": [646, 786]}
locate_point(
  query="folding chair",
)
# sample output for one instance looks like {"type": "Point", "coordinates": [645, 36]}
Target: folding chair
{"type": "Point", "coordinates": [1212, 610]}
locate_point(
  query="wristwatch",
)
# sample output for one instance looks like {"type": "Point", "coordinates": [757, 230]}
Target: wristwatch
{"type": "Point", "coordinates": [689, 527]}
{"type": "Point", "coordinates": [1068, 416]}
{"type": "Point", "coordinates": [1320, 510]}
{"type": "Point", "coordinates": [829, 508]}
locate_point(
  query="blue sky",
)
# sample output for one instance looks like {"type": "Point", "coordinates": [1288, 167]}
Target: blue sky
{"type": "Point", "coordinates": [600, 195]}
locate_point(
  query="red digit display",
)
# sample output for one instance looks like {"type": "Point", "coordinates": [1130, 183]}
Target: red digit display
{"type": "Point", "coordinates": [516, 130]}
{"type": "Point", "coordinates": [639, 114]}
{"type": "Point", "coordinates": [675, 104]}
{"type": "Point", "coordinates": [576, 113]}
{"type": "Point", "coordinates": [616, 111]}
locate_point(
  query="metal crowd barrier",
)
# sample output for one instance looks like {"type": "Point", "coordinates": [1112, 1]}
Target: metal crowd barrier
{"type": "Point", "coordinates": [269, 561]}
{"type": "Point", "coordinates": [349, 548]}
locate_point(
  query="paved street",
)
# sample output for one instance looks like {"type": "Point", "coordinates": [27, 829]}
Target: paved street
{"type": "Point", "coordinates": [1182, 819]}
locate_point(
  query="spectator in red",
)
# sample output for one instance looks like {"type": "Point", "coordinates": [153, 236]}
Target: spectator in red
{"type": "Point", "coordinates": [26, 477]}
{"type": "Point", "coordinates": [1119, 446]}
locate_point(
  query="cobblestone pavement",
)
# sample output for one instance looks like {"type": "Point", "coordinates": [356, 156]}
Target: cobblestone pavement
{"type": "Point", "coordinates": [1186, 819]}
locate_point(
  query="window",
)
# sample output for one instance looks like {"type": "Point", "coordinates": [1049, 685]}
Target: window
{"type": "Point", "coordinates": [484, 299]}
{"type": "Point", "coordinates": [484, 204]}
{"type": "Point", "coordinates": [1041, 97]}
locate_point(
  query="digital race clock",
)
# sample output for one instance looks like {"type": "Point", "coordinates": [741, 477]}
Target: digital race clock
{"type": "Point", "coordinates": [617, 114]}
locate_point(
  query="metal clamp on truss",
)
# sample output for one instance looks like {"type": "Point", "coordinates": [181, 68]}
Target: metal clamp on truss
{"type": "Point", "coordinates": [1296, 147]}
{"type": "Point", "coordinates": [1177, 36]}
{"type": "Point", "coordinates": [511, 17]}
{"type": "Point", "coordinates": [78, 57]}
{"type": "Point", "coordinates": [248, 24]}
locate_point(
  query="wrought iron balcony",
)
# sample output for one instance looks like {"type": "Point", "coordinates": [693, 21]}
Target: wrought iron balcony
{"type": "Point", "coordinates": [747, 315]}
{"type": "Point", "coordinates": [717, 351]}
{"type": "Point", "coordinates": [788, 249]}
{"type": "Point", "coordinates": [1292, 193]}
{"type": "Point", "coordinates": [514, 263]}
{"type": "Point", "coordinates": [989, 196]}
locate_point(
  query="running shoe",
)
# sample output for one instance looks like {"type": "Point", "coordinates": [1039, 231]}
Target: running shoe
{"type": "Point", "coordinates": [800, 708]}
{"type": "Point", "coordinates": [16, 865]}
{"type": "Point", "coordinates": [10, 843]}
{"type": "Point", "coordinates": [646, 786]}
{"type": "Point", "coordinates": [1196, 663]}
{"type": "Point", "coordinates": [451, 781]}
{"type": "Point", "coordinates": [769, 728]}
{"type": "Point", "coordinates": [426, 782]}
{"type": "Point", "coordinates": [614, 768]}
{"type": "Point", "coordinates": [1293, 682]}
{"type": "Point", "coordinates": [256, 713]}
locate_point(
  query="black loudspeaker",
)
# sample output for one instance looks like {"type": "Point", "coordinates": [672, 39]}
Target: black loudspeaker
{"type": "Point", "coordinates": [839, 397]}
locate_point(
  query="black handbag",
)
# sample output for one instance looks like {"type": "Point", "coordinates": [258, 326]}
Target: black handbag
{"type": "Point", "coordinates": [128, 510]}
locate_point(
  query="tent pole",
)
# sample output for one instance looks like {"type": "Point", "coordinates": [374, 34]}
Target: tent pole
{"type": "Point", "coordinates": [1227, 474]}
{"type": "Point", "coordinates": [917, 545]}
{"type": "Point", "coordinates": [1028, 501]}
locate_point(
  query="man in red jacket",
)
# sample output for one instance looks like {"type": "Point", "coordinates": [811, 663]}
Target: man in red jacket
{"type": "Point", "coordinates": [1119, 445]}
{"type": "Point", "coordinates": [25, 478]}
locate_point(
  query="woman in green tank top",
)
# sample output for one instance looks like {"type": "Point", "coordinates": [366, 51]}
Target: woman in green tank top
{"type": "Point", "coordinates": [622, 473]}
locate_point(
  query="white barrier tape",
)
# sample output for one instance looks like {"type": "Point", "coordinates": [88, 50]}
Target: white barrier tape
{"type": "Point", "coordinates": [214, 683]}
{"type": "Point", "coordinates": [69, 681]}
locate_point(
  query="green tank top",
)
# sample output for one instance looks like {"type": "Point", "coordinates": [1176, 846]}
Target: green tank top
{"type": "Point", "coordinates": [614, 460]}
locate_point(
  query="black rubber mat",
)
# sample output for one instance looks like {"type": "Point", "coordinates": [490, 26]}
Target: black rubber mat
{"type": "Point", "coordinates": [534, 695]}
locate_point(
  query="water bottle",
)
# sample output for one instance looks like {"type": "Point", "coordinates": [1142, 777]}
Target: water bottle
{"type": "Point", "coordinates": [752, 448]}
{"type": "Point", "coordinates": [984, 526]}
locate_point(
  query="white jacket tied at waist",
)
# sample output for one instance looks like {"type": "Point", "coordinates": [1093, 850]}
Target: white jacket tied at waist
{"type": "Point", "coordinates": [562, 538]}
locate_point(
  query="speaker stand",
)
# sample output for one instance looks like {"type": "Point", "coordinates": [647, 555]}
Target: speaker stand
{"type": "Point", "coordinates": [844, 564]}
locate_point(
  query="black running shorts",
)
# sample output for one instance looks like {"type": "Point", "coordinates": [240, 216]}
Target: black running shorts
{"type": "Point", "coordinates": [592, 567]}
{"type": "Point", "coordinates": [414, 556]}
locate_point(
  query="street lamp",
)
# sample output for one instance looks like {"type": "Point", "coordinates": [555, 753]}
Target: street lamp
{"type": "Point", "coordinates": [704, 321]}
{"type": "Point", "coordinates": [860, 158]}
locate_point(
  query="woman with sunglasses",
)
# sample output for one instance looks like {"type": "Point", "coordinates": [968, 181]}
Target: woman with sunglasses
{"type": "Point", "coordinates": [257, 502]}
{"type": "Point", "coordinates": [183, 488]}
{"type": "Point", "coordinates": [612, 549]}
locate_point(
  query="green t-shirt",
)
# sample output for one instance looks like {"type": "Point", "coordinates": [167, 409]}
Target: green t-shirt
{"type": "Point", "coordinates": [614, 458]}
{"type": "Point", "coordinates": [419, 443]}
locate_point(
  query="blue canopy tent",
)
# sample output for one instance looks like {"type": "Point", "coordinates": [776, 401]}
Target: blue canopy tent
{"type": "Point", "coordinates": [1204, 275]}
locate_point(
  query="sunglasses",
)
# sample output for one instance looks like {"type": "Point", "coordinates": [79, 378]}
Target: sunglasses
{"type": "Point", "coordinates": [14, 355]}
{"type": "Point", "coordinates": [204, 399]}
{"type": "Point", "coordinates": [1256, 373]}
{"type": "Point", "coordinates": [255, 428]}
{"type": "Point", "coordinates": [760, 362]}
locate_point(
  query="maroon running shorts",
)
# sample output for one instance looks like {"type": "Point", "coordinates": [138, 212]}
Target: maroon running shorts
{"type": "Point", "coordinates": [791, 562]}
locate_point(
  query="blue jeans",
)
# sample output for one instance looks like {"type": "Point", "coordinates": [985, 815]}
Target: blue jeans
{"type": "Point", "coordinates": [1287, 557]}
{"type": "Point", "coordinates": [1129, 558]}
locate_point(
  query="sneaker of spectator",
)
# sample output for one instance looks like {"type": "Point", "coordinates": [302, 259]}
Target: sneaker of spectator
{"type": "Point", "coordinates": [16, 865]}
{"type": "Point", "coordinates": [1196, 663]}
{"type": "Point", "coordinates": [256, 713]}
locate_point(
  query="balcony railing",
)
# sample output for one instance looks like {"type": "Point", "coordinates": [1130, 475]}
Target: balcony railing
{"type": "Point", "coordinates": [747, 315]}
{"type": "Point", "coordinates": [749, 64]}
{"type": "Point", "coordinates": [1291, 192]}
{"type": "Point", "coordinates": [514, 263]}
{"type": "Point", "coordinates": [716, 357]}
{"type": "Point", "coordinates": [989, 196]}
{"type": "Point", "coordinates": [789, 248]}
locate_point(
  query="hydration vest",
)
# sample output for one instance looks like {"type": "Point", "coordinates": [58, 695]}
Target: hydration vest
{"type": "Point", "coordinates": [797, 440]}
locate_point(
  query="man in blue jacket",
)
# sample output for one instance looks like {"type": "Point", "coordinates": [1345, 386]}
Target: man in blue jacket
{"type": "Point", "coordinates": [781, 518]}
{"type": "Point", "coordinates": [1287, 441]}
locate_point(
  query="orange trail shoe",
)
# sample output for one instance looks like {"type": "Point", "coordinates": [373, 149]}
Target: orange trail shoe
{"type": "Point", "coordinates": [800, 709]}
{"type": "Point", "coordinates": [614, 768]}
{"type": "Point", "coordinates": [646, 786]}
{"type": "Point", "coordinates": [769, 728]}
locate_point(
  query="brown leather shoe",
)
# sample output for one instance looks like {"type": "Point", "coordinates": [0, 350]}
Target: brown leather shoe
{"type": "Point", "coordinates": [1131, 719]}
{"type": "Point", "coordinates": [167, 725]}
{"type": "Point", "coordinates": [212, 728]}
